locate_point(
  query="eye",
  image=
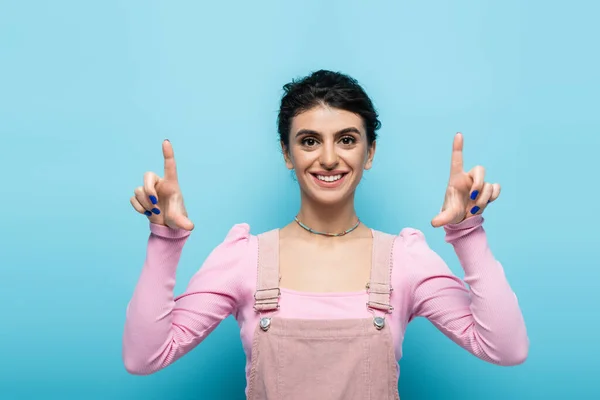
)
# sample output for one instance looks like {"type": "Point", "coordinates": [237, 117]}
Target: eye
{"type": "Point", "coordinates": [309, 141]}
{"type": "Point", "coordinates": [347, 140]}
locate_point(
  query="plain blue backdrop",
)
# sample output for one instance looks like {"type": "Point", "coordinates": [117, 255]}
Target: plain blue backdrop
{"type": "Point", "coordinates": [88, 90]}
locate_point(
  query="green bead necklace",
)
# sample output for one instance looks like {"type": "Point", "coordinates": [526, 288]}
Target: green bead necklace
{"type": "Point", "coordinates": [326, 233]}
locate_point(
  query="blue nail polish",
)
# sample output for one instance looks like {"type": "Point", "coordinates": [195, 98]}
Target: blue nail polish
{"type": "Point", "coordinates": [148, 213]}
{"type": "Point", "coordinates": [474, 194]}
{"type": "Point", "coordinates": [156, 210]}
{"type": "Point", "coordinates": [474, 210]}
{"type": "Point", "coordinates": [153, 199]}
{"type": "Point", "coordinates": [489, 201]}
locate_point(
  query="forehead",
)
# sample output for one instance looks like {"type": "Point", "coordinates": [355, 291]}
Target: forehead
{"type": "Point", "coordinates": [326, 120]}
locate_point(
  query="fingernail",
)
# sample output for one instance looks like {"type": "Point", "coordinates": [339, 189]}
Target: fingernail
{"type": "Point", "coordinates": [156, 210]}
{"type": "Point", "coordinates": [489, 201]}
{"type": "Point", "coordinates": [474, 194]}
{"type": "Point", "coordinates": [148, 213]}
{"type": "Point", "coordinates": [474, 210]}
{"type": "Point", "coordinates": [153, 199]}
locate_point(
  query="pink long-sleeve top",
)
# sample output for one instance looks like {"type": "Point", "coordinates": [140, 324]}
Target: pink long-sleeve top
{"type": "Point", "coordinates": [485, 319]}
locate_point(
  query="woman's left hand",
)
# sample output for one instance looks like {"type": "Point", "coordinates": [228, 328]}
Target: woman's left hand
{"type": "Point", "coordinates": [467, 193]}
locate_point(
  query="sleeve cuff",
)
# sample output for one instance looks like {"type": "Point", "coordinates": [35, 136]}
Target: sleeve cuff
{"type": "Point", "coordinates": [468, 223]}
{"type": "Point", "coordinates": [167, 232]}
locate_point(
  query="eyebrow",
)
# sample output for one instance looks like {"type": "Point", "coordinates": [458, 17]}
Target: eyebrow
{"type": "Point", "coordinates": [341, 132]}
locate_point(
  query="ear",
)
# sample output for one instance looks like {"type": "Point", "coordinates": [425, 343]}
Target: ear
{"type": "Point", "coordinates": [370, 155]}
{"type": "Point", "coordinates": [287, 156]}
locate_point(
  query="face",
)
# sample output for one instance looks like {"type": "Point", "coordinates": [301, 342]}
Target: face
{"type": "Point", "coordinates": [328, 149]}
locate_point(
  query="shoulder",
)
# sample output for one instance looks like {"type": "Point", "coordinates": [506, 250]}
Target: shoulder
{"type": "Point", "coordinates": [239, 260]}
{"type": "Point", "coordinates": [411, 254]}
{"type": "Point", "coordinates": [231, 255]}
{"type": "Point", "coordinates": [235, 246]}
{"type": "Point", "coordinates": [409, 239]}
{"type": "Point", "coordinates": [242, 232]}
{"type": "Point", "coordinates": [239, 249]}
{"type": "Point", "coordinates": [231, 264]}
{"type": "Point", "coordinates": [238, 234]}
{"type": "Point", "coordinates": [241, 243]}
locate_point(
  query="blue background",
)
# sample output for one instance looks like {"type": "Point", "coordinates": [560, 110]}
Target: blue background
{"type": "Point", "coordinates": [88, 90]}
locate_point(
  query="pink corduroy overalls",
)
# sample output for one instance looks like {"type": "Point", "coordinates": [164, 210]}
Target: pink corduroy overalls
{"type": "Point", "coordinates": [303, 359]}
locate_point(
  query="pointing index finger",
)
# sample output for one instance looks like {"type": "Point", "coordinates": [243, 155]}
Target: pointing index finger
{"type": "Point", "coordinates": [169, 156]}
{"type": "Point", "coordinates": [457, 154]}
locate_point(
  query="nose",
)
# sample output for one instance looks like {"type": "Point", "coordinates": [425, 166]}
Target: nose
{"type": "Point", "coordinates": [329, 158]}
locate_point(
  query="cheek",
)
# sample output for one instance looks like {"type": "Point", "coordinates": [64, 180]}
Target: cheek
{"type": "Point", "coordinates": [358, 159]}
{"type": "Point", "coordinates": [302, 159]}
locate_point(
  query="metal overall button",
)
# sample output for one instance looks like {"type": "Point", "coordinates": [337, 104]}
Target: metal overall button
{"type": "Point", "coordinates": [265, 323]}
{"type": "Point", "coordinates": [379, 322]}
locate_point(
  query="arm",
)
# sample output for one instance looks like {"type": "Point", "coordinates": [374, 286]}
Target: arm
{"type": "Point", "coordinates": [486, 319]}
{"type": "Point", "coordinates": [160, 328]}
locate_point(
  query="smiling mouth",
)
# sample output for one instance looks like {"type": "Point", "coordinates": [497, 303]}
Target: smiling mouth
{"type": "Point", "coordinates": [329, 181]}
{"type": "Point", "coordinates": [329, 178]}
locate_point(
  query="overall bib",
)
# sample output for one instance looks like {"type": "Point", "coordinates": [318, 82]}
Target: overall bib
{"type": "Point", "coordinates": [315, 359]}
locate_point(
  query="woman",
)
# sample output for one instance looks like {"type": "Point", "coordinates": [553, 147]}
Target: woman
{"type": "Point", "coordinates": [323, 303]}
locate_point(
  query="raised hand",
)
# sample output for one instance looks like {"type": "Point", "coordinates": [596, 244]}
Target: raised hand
{"type": "Point", "coordinates": [467, 193]}
{"type": "Point", "coordinates": [160, 199]}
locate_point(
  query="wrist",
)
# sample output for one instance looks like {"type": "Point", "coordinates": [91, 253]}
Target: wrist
{"type": "Point", "coordinates": [467, 223]}
{"type": "Point", "coordinates": [168, 232]}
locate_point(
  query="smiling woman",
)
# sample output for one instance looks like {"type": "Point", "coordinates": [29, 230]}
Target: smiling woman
{"type": "Point", "coordinates": [327, 128]}
{"type": "Point", "coordinates": [306, 293]}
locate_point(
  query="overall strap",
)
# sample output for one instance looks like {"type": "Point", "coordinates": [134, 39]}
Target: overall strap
{"type": "Point", "coordinates": [380, 288]}
{"type": "Point", "coordinates": [267, 293]}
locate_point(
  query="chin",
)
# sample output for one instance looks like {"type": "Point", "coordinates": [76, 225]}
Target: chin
{"type": "Point", "coordinates": [330, 199]}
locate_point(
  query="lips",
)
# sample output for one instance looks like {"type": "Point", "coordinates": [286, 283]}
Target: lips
{"type": "Point", "coordinates": [329, 179]}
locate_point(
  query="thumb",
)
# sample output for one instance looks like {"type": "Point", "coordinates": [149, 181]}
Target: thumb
{"type": "Point", "coordinates": [443, 218]}
{"type": "Point", "coordinates": [183, 222]}
{"type": "Point", "coordinates": [448, 212]}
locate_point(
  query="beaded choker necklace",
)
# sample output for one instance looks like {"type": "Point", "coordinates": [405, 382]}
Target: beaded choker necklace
{"type": "Point", "coordinates": [347, 231]}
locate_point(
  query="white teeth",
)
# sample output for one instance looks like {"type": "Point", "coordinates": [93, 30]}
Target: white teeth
{"type": "Point", "coordinates": [330, 178]}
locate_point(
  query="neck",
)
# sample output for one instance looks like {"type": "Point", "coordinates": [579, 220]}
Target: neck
{"type": "Point", "coordinates": [334, 218]}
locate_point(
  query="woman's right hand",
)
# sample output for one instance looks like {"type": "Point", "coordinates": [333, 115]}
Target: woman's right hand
{"type": "Point", "coordinates": [160, 199]}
